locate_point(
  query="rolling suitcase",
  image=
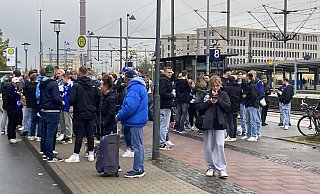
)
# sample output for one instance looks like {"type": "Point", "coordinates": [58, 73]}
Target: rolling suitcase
{"type": "Point", "coordinates": [108, 155]}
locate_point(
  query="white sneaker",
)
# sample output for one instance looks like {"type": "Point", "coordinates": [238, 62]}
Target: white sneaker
{"type": "Point", "coordinates": [3, 132]}
{"type": "Point", "coordinates": [286, 127]}
{"type": "Point", "coordinates": [38, 139]}
{"type": "Point", "coordinates": [31, 138]}
{"type": "Point", "coordinates": [244, 137]}
{"type": "Point", "coordinates": [73, 159]}
{"type": "Point", "coordinates": [230, 139]}
{"type": "Point", "coordinates": [223, 174]}
{"type": "Point", "coordinates": [252, 139]}
{"type": "Point", "coordinates": [55, 152]}
{"type": "Point", "coordinates": [170, 143]}
{"type": "Point", "coordinates": [60, 137]}
{"type": "Point", "coordinates": [194, 128]}
{"type": "Point", "coordinates": [13, 141]}
{"type": "Point", "coordinates": [20, 128]}
{"type": "Point", "coordinates": [128, 154]}
{"type": "Point", "coordinates": [91, 158]}
{"type": "Point", "coordinates": [210, 172]}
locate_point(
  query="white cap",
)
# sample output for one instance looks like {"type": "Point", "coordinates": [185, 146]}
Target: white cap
{"type": "Point", "coordinates": [15, 80]}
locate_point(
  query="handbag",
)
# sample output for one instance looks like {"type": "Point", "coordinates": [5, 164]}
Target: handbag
{"type": "Point", "coordinates": [263, 102]}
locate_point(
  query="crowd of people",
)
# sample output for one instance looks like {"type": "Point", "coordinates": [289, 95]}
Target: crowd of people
{"type": "Point", "coordinates": [55, 106]}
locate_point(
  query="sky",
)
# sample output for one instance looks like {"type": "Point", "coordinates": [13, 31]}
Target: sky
{"type": "Point", "coordinates": [19, 20]}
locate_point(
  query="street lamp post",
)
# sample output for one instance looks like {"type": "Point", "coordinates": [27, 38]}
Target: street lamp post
{"type": "Point", "coordinates": [25, 47]}
{"type": "Point", "coordinates": [66, 54]}
{"type": "Point", "coordinates": [129, 17]}
{"type": "Point", "coordinates": [56, 28]}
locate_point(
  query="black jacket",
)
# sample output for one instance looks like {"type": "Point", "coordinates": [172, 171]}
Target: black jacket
{"type": "Point", "coordinates": [5, 87]}
{"type": "Point", "coordinates": [30, 93]}
{"type": "Point", "coordinates": [183, 91]}
{"type": "Point", "coordinates": [215, 114]}
{"type": "Point", "coordinates": [267, 92]}
{"type": "Point", "coordinates": [11, 98]}
{"type": "Point", "coordinates": [108, 112]}
{"type": "Point", "coordinates": [286, 95]}
{"type": "Point", "coordinates": [251, 99]}
{"type": "Point", "coordinates": [49, 95]}
{"type": "Point", "coordinates": [234, 94]}
{"type": "Point", "coordinates": [165, 89]}
{"type": "Point", "coordinates": [85, 98]}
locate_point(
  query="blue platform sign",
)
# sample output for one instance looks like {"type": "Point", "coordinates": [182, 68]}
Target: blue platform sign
{"type": "Point", "coordinates": [215, 55]}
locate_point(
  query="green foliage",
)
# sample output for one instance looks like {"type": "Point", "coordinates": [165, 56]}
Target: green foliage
{"type": "Point", "coordinates": [146, 67]}
{"type": "Point", "coordinates": [3, 46]}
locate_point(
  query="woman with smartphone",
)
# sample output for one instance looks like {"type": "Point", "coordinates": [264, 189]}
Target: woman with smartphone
{"type": "Point", "coordinates": [214, 107]}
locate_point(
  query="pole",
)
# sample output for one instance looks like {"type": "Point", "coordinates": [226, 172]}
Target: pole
{"type": "Point", "coordinates": [172, 29]}
{"type": "Point", "coordinates": [111, 60]}
{"type": "Point", "coordinates": [16, 57]}
{"type": "Point", "coordinates": [295, 76]}
{"type": "Point", "coordinates": [98, 49]}
{"type": "Point", "coordinates": [26, 67]}
{"type": "Point", "coordinates": [58, 49]}
{"type": "Point", "coordinates": [197, 53]}
{"type": "Point", "coordinates": [285, 10]}
{"type": "Point", "coordinates": [65, 56]}
{"type": "Point", "coordinates": [120, 44]}
{"type": "Point", "coordinates": [250, 48]}
{"type": "Point", "coordinates": [127, 40]}
{"type": "Point", "coordinates": [208, 41]}
{"type": "Point", "coordinates": [274, 67]}
{"type": "Point", "coordinates": [41, 46]}
{"type": "Point", "coordinates": [156, 97]}
{"type": "Point", "coordinates": [228, 21]}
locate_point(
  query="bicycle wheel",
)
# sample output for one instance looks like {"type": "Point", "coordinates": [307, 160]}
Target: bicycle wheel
{"type": "Point", "coordinates": [306, 126]}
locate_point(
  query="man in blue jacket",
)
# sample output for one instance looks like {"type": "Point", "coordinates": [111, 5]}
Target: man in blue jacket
{"type": "Point", "coordinates": [50, 104]}
{"type": "Point", "coordinates": [134, 115]}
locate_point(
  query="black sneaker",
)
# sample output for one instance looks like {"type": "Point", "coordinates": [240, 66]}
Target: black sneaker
{"type": "Point", "coordinates": [55, 159]}
{"type": "Point", "coordinates": [25, 133]}
{"type": "Point", "coordinates": [134, 174]}
{"type": "Point", "coordinates": [280, 124]}
{"type": "Point", "coordinates": [65, 140]}
{"type": "Point", "coordinates": [200, 132]}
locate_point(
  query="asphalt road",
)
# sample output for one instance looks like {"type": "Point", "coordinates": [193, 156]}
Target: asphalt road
{"type": "Point", "coordinates": [21, 172]}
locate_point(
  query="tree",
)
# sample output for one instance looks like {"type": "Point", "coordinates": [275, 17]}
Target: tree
{"type": "Point", "coordinates": [3, 46]}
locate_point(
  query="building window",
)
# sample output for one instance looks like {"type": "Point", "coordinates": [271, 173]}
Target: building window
{"type": "Point", "coordinates": [188, 38]}
{"type": "Point", "coordinates": [168, 47]}
{"type": "Point", "coordinates": [188, 47]}
{"type": "Point", "coordinates": [204, 33]}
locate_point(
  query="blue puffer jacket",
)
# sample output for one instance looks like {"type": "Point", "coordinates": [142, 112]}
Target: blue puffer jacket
{"type": "Point", "coordinates": [134, 111]}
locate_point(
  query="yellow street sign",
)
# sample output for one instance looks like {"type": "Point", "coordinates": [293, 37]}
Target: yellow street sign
{"type": "Point", "coordinates": [82, 41]}
{"type": "Point", "coordinates": [10, 51]}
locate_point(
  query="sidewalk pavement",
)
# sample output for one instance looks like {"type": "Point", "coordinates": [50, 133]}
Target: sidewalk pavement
{"type": "Point", "coordinates": [266, 166]}
{"type": "Point", "coordinates": [83, 178]}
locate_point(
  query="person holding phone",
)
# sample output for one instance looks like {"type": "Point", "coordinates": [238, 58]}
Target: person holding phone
{"type": "Point", "coordinates": [214, 107]}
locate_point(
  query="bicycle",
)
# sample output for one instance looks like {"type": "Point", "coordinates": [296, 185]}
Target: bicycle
{"type": "Point", "coordinates": [308, 125]}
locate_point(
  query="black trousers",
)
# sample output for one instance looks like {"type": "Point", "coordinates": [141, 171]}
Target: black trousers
{"type": "Point", "coordinates": [232, 124]}
{"type": "Point", "coordinates": [12, 123]}
{"type": "Point", "coordinates": [264, 113]}
{"type": "Point", "coordinates": [192, 113]}
{"type": "Point", "coordinates": [83, 127]}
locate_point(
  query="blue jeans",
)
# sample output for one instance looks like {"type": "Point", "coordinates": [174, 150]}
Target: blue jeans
{"type": "Point", "coordinates": [34, 121]}
{"type": "Point", "coordinates": [243, 116]}
{"type": "Point", "coordinates": [137, 145]}
{"type": "Point", "coordinates": [286, 108]}
{"type": "Point", "coordinates": [281, 115]}
{"type": "Point", "coordinates": [50, 123]}
{"type": "Point", "coordinates": [253, 114]}
{"type": "Point", "coordinates": [181, 114]}
{"type": "Point", "coordinates": [127, 136]}
{"type": "Point", "coordinates": [259, 120]}
{"type": "Point", "coordinates": [27, 120]}
{"type": "Point", "coordinates": [165, 115]}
